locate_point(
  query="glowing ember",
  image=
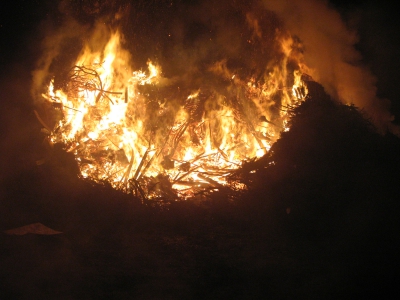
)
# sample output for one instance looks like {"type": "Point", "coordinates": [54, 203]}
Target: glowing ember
{"type": "Point", "coordinates": [124, 128]}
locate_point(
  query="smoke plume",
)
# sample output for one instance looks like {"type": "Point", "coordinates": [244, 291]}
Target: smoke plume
{"type": "Point", "coordinates": [190, 39]}
{"type": "Point", "coordinates": [330, 55]}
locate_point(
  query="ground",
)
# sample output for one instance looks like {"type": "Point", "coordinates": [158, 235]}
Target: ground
{"type": "Point", "coordinates": [322, 222]}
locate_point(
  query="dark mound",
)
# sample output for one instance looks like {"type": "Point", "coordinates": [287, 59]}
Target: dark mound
{"type": "Point", "coordinates": [320, 220]}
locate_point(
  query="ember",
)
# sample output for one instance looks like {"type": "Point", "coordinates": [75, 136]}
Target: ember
{"type": "Point", "coordinates": [126, 127]}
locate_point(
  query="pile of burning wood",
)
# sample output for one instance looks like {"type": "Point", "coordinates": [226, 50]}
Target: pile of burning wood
{"type": "Point", "coordinates": [160, 141]}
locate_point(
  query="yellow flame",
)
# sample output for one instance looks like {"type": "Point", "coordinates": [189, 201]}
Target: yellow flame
{"type": "Point", "coordinates": [106, 121]}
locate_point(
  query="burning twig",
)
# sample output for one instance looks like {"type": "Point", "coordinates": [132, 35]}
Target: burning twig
{"type": "Point", "coordinates": [209, 180]}
{"type": "Point", "coordinates": [225, 157]}
{"type": "Point", "coordinates": [71, 108]}
{"type": "Point", "coordinates": [88, 79]}
{"type": "Point", "coordinates": [218, 131]}
{"type": "Point", "coordinates": [148, 164]}
{"type": "Point", "coordinates": [186, 174]}
{"type": "Point", "coordinates": [138, 189]}
{"type": "Point", "coordinates": [177, 137]}
{"type": "Point", "coordinates": [141, 164]}
{"type": "Point", "coordinates": [128, 170]}
{"type": "Point", "coordinates": [192, 183]}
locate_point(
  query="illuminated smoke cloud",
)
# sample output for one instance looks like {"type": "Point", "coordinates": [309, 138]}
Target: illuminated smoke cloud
{"type": "Point", "coordinates": [185, 37]}
{"type": "Point", "coordinates": [330, 55]}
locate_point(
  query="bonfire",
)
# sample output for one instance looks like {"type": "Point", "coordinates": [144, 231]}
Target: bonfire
{"type": "Point", "coordinates": [146, 134]}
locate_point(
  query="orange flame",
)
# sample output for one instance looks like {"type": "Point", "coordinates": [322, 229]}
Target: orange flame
{"type": "Point", "coordinates": [119, 133]}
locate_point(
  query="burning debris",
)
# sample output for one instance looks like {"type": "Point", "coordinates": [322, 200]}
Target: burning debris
{"type": "Point", "coordinates": [230, 77]}
{"type": "Point", "coordinates": [147, 136]}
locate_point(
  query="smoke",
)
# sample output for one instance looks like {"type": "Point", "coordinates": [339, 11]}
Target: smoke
{"type": "Point", "coordinates": [53, 54]}
{"type": "Point", "coordinates": [190, 39]}
{"type": "Point", "coordinates": [187, 39]}
{"type": "Point", "coordinates": [330, 55]}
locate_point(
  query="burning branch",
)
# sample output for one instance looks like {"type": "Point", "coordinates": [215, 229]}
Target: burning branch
{"type": "Point", "coordinates": [130, 137]}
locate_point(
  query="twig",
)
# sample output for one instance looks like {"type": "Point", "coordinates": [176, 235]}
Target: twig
{"type": "Point", "coordinates": [209, 180]}
{"type": "Point", "coordinates": [141, 164]}
{"type": "Point", "coordinates": [128, 171]}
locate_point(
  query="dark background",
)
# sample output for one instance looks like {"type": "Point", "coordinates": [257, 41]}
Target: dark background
{"type": "Point", "coordinates": [335, 176]}
{"type": "Point", "coordinates": [21, 31]}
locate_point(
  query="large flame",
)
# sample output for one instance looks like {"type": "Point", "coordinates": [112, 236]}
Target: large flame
{"type": "Point", "coordinates": [125, 128]}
